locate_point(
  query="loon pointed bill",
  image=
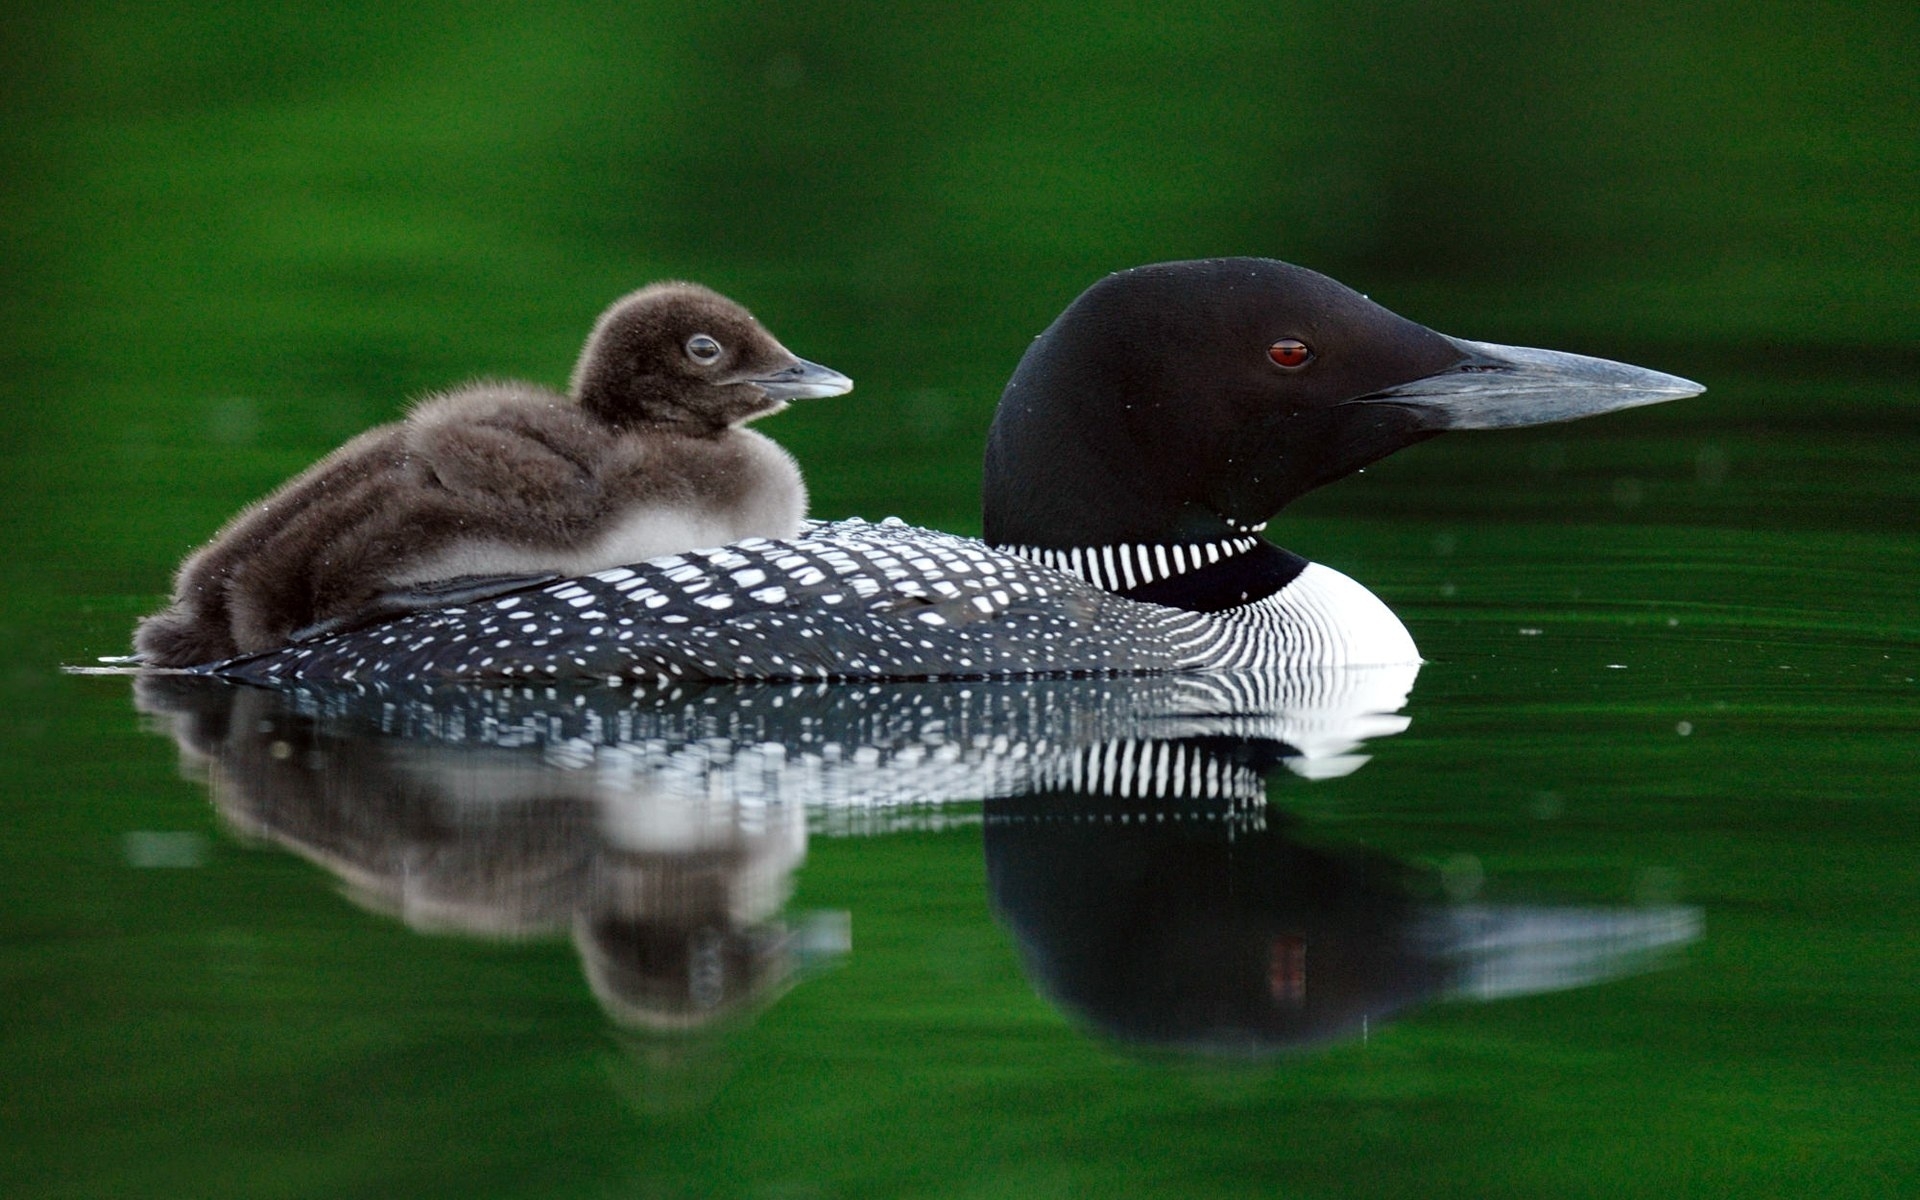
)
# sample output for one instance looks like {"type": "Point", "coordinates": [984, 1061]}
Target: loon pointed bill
{"type": "Point", "coordinates": [1141, 446]}
{"type": "Point", "coordinates": [645, 455]}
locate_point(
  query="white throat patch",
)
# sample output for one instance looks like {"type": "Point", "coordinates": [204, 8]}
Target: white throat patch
{"type": "Point", "coordinates": [1122, 568]}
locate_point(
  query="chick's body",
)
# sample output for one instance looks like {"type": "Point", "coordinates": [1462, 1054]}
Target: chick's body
{"type": "Point", "coordinates": [645, 457]}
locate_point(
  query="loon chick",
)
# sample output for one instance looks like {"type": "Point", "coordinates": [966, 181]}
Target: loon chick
{"type": "Point", "coordinates": [1146, 437]}
{"type": "Point", "coordinates": [644, 456]}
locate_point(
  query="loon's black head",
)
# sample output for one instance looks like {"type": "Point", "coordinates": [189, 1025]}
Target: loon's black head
{"type": "Point", "coordinates": [1186, 401]}
{"type": "Point", "coordinates": [682, 355]}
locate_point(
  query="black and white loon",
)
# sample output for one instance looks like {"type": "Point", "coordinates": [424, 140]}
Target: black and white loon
{"type": "Point", "coordinates": [1146, 437]}
{"type": "Point", "coordinates": [645, 455]}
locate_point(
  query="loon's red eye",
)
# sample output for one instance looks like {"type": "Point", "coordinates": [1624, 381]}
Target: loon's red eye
{"type": "Point", "coordinates": [1290, 353]}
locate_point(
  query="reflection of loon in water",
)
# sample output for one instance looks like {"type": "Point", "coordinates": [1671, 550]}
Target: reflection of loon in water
{"type": "Point", "coordinates": [1235, 937]}
{"type": "Point", "coordinates": [662, 830]}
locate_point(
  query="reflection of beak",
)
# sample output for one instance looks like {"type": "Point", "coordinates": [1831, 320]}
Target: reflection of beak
{"type": "Point", "coordinates": [803, 381]}
{"type": "Point", "coordinates": [1494, 387]}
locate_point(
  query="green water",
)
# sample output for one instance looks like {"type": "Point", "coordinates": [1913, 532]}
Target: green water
{"type": "Point", "coordinates": [1672, 653]}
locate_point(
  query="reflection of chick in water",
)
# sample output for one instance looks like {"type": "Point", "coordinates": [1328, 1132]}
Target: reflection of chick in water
{"type": "Point", "coordinates": [681, 923]}
{"type": "Point", "coordinates": [673, 905]}
{"type": "Point", "coordinates": [679, 974]}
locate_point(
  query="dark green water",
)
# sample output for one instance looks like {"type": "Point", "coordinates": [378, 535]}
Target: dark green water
{"type": "Point", "coordinates": [1672, 653]}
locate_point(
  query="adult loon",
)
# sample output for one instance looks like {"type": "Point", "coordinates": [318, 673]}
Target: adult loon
{"type": "Point", "coordinates": [643, 457]}
{"type": "Point", "coordinates": [1143, 441]}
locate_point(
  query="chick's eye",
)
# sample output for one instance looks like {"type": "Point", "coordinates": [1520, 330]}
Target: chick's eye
{"type": "Point", "coordinates": [702, 349]}
{"type": "Point", "coordinates": [1290, 353]}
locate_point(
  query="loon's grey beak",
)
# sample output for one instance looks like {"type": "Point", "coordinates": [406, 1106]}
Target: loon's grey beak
{"type": "Point", "coordinates": [1497, 387]}
{"type": "Point", "coordinates": [803, 381]}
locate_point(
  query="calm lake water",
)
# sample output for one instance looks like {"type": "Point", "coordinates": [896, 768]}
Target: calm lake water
{"type": "Point", "coordinates": [1615, 897]}
{"type": "Point", "coordinates": [1625, 908]}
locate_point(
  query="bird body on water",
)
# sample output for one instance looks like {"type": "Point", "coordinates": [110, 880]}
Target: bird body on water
{"type": "Point", "coordinates": [1143, 442]}
{"type": "Point", "coordinates": [644, 456]}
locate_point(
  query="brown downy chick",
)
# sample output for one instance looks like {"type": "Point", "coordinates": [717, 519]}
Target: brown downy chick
{"type": "Point", "coordinates": [646, 456]}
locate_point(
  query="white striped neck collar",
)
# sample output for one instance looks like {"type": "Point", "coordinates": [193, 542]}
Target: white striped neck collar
{"type": "Point", "coordinates": [1125, 567]}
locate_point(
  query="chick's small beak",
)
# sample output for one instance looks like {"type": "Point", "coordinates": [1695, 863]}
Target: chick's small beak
{"type": "Point", "coordinates": [803, 380]}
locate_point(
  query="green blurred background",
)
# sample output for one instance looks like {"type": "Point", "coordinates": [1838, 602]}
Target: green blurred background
{"type": "Point", "coordinates": [236, 234]}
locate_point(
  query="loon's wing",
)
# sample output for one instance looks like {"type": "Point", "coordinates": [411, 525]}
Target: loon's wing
{"type": "Point", "coordinates": [850, 600]}
{"type": "Point", "coordinates": [423, 596]}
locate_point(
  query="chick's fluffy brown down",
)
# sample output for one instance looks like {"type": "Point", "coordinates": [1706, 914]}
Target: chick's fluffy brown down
{"type": "Point", "coordinates": [645, 457]}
